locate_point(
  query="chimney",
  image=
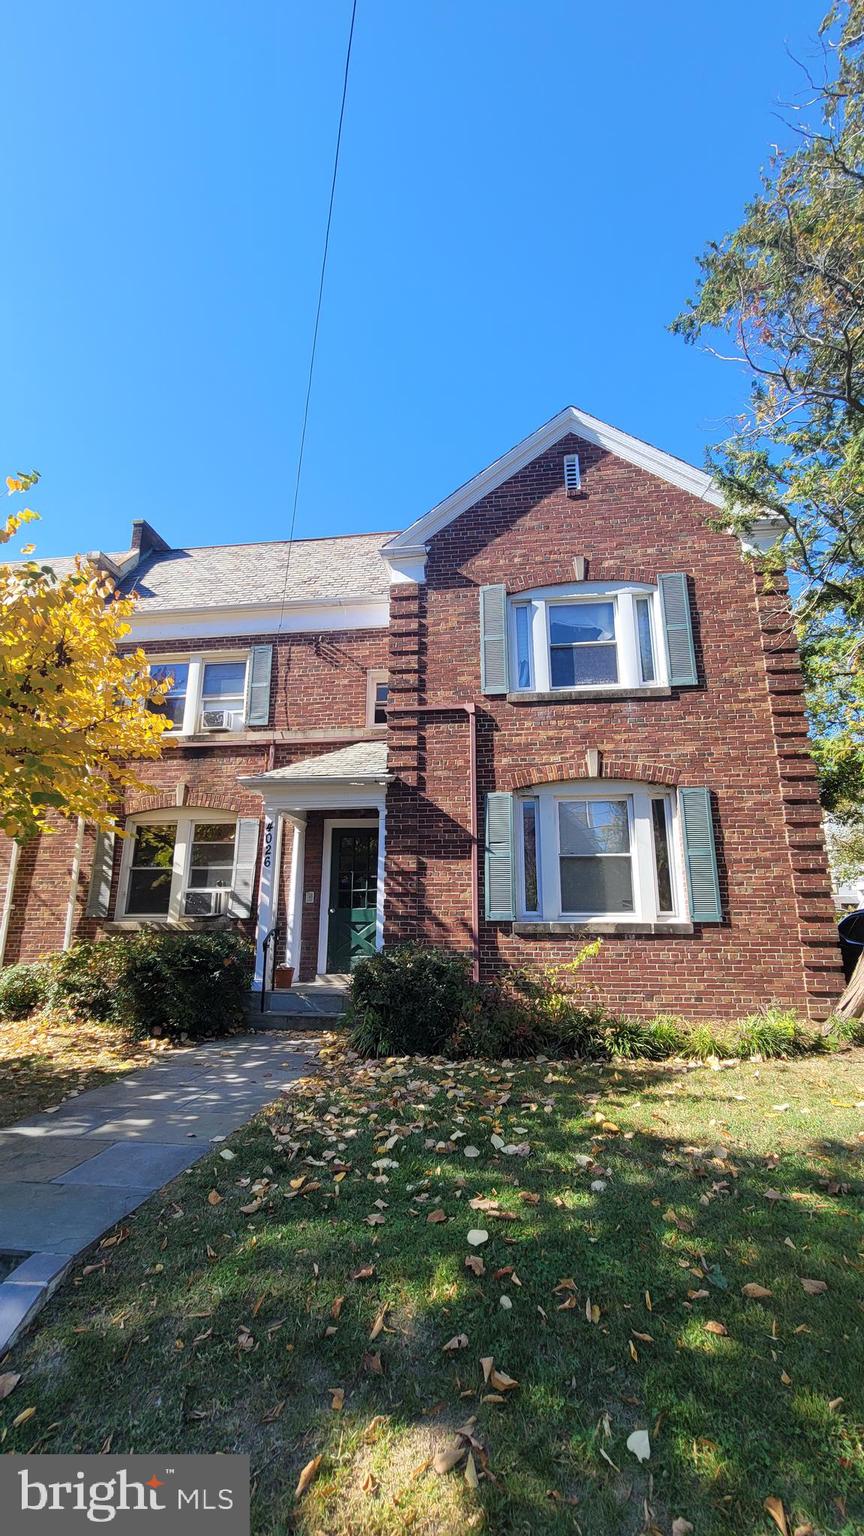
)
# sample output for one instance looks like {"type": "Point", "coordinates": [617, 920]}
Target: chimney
{"type": "Point", "coordinates": [145, 540]}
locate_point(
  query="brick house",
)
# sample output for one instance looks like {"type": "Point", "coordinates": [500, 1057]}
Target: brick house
{"type": "Point", "coordinates": [557, 705]}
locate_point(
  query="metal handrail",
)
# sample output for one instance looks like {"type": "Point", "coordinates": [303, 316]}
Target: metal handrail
{"type": "Point", "coordinates": [265, 949]}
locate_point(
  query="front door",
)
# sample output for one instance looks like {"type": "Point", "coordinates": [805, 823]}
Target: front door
{"type": "Point", "coordinates": [353, 896]}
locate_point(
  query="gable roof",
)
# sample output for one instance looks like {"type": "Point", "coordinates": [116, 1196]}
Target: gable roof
{"type": "Point", "coordinates": [570, 420]}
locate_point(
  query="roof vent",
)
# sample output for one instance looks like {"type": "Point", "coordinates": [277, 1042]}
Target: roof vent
{"type": "Point", "coordinates": [572, 478]}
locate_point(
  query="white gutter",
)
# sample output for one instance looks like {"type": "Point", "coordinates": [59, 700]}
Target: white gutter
{"type": "Point", "coordinates": [14, 856]}
{"type": "Point", "coordinates": [75, 874]}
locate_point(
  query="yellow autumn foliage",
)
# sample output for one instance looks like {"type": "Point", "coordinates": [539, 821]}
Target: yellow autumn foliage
{"type": "Point", "coordinates": [74, 711]}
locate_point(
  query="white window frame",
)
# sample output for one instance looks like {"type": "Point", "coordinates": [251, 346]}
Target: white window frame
{"type": "Point", "coordinates": [185, 822]}
{"type": "Point", "coordinates": [623, 596]}
{"type": "Point", "coordinates": [196, 662]}
{"type": "Point", "coordinates": [374, 676]}
{"type": "Point", "coordinates": [646, 901]}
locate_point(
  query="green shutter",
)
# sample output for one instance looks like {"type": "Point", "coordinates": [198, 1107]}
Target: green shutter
{"type": "Point", "coordinates": [99, 893]}
{"type": "Point", "coordinates": [493, 639]}
{"type": "Point", "coordinates": [500, 886]}
{"type": "Point", "coordinates": [700, 855]}
{"type": "Point", "coordinates": [258, 685]}
{"type": "Point", "coordinates": [678, 629]}
{"type": "Point", "coordinates": [245, 857]}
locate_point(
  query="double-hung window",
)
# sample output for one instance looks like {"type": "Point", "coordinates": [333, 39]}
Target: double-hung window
{"type": "Point", "coordinates": [606, 852]}
{"type": "Point", "coordinates": [206, 692]}
{"type": "Point", "coordinates": [189, 865]}
{"type": "Point", "coordinates": [592, 636]}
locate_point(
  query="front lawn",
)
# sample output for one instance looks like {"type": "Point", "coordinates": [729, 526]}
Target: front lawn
{"type": "Point", "coordinates": [676, 1251]}
{"type": "Point", "coordinates": [49, 1057]}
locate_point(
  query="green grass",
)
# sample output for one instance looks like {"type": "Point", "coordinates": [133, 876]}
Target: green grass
{"type": "Point", "coordinates": [207, 1329]}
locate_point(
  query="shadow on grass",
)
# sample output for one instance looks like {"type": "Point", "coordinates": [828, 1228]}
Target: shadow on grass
{"type": "Point", "coordinates": [208, 1329]}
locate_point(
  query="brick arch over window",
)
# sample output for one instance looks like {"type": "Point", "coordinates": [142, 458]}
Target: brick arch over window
{"type": "Point", "coordinates": [614, 766]}
{"type": "Point", "coordinates": [163, 801]}
{"type": "Point", "coordinates": [561, 573]}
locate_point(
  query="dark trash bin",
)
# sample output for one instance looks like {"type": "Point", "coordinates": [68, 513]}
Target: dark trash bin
{"type": "Point", "coordinates": [851, 930]}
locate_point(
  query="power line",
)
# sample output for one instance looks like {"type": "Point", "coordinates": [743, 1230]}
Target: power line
{"type": "Point", "coordinates": [318, 311]}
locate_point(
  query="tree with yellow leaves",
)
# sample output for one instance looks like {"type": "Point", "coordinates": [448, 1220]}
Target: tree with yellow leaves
{"type": "Point", "coordinates": [75, 713]}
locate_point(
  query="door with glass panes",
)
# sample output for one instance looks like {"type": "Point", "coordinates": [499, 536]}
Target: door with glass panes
{"type": "Point", "coordinates": [353, 906]}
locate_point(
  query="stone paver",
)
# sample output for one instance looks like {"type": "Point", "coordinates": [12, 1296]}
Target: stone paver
{"type": "Point", "coordinates": [67, 1176]}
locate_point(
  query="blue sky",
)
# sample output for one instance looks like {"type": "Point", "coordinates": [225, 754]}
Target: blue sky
{"type": "Point", "coordinates": [523, 191]}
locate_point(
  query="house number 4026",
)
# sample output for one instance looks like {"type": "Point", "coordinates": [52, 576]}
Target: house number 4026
{"type": "Point", "coordinates": [268, 844]}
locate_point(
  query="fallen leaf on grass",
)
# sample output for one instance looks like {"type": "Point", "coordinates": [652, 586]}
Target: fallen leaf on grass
{"type": "Point", "coordinates": [436, 1216]}
{"type": "Point", "coordinates": [639, 1444]}
{"type": "Point", "coordinates": [22, 1417]}
{"type": "Point", "coordinates": [474, 1262]}
{"type": "Point", "coordinates": [227, 1154]}
{"type": "Point", "coordinates": [458, 1341]}
{"type": "Point", "coordinates": [755, 1292]}
{"type": "Point", "coordinates": [337, 1306]}
{"type": "Point", "coordinates": [372, 1363]}
{"type": "Point", "coordinates": [718, 1328]}
{"type": "Point", "coordinates": [448, 1457]}
{"type": "Point", "coordinates": [477, 1236]}
{"type": "Point", "coordinates": [337, 1398]}
{"type": "Point", "coordinates": [365, 1272]}
{"type": "Point", "coordinates": [308, 1475]}
{"type": "Point", "coordinates": [471, 1477]}
{"type": "Point", "coordinates": [501, 1381]}
{"type": "Point", "coordinates": [470, 1151]}
{"type": "Point", "coordinates": [273, 1413]}
{"type": "Point", "coordinates": [681, 1527]}
{"type": "Point", "coordinates": [8, 1382]}
{"type": "Point", "coordinates": [774, 1508]}
{"type": "Point", "coordinates": [380, 1319]}
{"type": "Point", "coordinates": [814, 1287]}
{"type": "Point", "coordinates": [214, 1197]}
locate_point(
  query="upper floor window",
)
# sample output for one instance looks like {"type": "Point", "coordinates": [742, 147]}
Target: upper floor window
{"type": "Point", "coordinates": [215, 692]}
{"type": "Point", "coordinates": [376, 696]}
{"type": "Point", "coordinates": [588, 636]}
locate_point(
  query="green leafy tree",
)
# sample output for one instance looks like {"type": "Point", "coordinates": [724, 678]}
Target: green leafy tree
{"type": "Point", "coordinates": [787, 290]}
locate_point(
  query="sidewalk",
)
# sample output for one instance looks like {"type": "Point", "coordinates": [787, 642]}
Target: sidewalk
{"type": "Point", "coordinates": [67, 1176]}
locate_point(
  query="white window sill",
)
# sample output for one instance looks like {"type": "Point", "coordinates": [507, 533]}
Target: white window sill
{"type": "Point", "coordinates": [574, 695]}
{"type": "Point", "coordinates": [189, 924]}
{"type": "Point", "coordinates": [623, 927]}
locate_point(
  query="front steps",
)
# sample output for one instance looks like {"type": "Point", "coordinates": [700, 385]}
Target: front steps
{"type": "Point", "coordinates": [307, 1005]}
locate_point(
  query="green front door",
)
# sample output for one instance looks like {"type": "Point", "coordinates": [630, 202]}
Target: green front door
{"type": "Point", "coordinates": [353, 897]}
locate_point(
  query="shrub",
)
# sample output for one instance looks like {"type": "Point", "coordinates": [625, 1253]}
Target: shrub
{"type": "Point", "coordinates": [773, 1032]}
{"type": "Point", "coordinates": [700, 1042]}
{"type": "Point", "coordinates": [85, 977]}
{"type": "Point", "coordinates": [666, 1036]}
{"type": "Point", "coordinates": [842, 1032]}
{"type": "Point", "coordinates": [23, 988]}
{"type": "Point", "coordinates": [183, 984]}
{"type": "Point", "coordinates": [408, 999]}
{"type": "Point", "coordinates": [157, 982]}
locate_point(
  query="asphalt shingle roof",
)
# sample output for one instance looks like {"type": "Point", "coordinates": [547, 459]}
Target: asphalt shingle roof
{"type": "Point", "coordinates": [362, 760]}
{"type": "Point", "coordinates": [229, 574]}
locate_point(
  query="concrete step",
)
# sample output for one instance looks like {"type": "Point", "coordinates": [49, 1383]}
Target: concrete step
{"type": "Point", "coordinates": [307, 1003]}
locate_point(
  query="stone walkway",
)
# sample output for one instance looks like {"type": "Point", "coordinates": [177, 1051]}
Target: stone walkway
{"type": "Point", "coordinates": [67, 1176]}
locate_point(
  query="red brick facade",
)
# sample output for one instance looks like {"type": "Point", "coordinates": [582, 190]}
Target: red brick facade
{"type": "Point", "coordinates": [740, 732]}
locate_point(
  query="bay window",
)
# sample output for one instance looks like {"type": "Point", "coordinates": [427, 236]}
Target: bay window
{"type": "Point", "coordinates": [606, 851]}
{"type": "Point", "coordinates": [194, 864]}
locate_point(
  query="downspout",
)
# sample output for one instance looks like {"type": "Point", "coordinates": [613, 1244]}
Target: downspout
{"type": "Point", "coordinates": [74, 877]}
{"type": "Point", "coordinates": [8, 899]}
{"type": "Point", "coordinates": [469, 708]}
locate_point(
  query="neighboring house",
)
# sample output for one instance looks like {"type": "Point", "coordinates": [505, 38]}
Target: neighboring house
{"type": "Point", "coordinates": [558, 705]}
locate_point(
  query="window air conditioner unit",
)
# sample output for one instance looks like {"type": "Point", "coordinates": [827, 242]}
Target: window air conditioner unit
{"type": "Point", "coordinates": [204, 903]}
{"type": "Point", "coordinates": [221, 719]}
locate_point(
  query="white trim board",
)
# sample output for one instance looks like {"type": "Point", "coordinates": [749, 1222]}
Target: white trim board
{"type": "Point", "coordinates": [260, 619]}
{"type": "Point", "coordinates": [405, 548]}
